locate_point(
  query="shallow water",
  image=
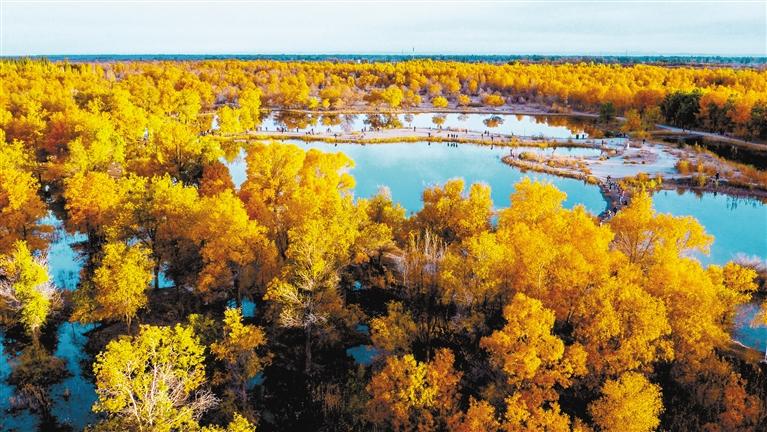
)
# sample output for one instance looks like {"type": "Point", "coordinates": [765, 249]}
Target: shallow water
{"type": "Point", "coordinates": [408, 168]}
{"type": "Point", "coordinates": [64, 264]}
{"type": "Point", "coordinates": [247, 308]}
{"type": "Point", "coordinates": [746, 332]}
{"type": "Point", "coordinates": [739, 225]}
{"type": "Point", "coordinates": [507, 124]}
{"type": "Point", "coordinates": [74, 396]}
{"type": "Point", "coordinates": [363, 354]}
{"type": "Point", "coordinates": [23, 420]}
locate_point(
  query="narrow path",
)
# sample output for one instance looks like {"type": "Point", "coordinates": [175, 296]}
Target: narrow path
{"type": "Point", "coordinates": [712, 135]}
{"type": "Point", "coordinates": [424, 134]}
{"type": "Point", "coordinates": [615, 197]}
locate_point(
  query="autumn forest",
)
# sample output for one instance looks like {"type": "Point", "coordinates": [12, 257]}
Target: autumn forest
{"type": "Point", "coordinates": [219, 307]}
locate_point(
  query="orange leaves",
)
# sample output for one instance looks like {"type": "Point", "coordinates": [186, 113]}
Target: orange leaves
{"type": "Point", "coordinates": [534, 363]}
{"type": "Point", "coordinates": [411, 395]}
{"type": "Point", "coordinates": [623, 328]}
{"type": "Point", "coordinates": [229, 242]}
{"type": "Point", "coordinates": [395, 331]}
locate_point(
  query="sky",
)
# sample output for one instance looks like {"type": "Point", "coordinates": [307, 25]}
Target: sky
{"type": "Point", "coordinates": [671, 27]}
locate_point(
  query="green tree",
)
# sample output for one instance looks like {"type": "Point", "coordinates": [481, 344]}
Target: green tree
{"type": "Point", "coordinates": [152, 381]}
{"type": "Point", "coordinates": [681, 108]}
{"type": "Point", "coordinates": [607, 112]}
{"type": "Point", "coordinates": [25, 289]}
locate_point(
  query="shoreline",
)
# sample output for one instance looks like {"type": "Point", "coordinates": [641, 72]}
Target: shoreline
{"type": "Point", "coordinates": [515, 109]}
{"type": "Point", "coordinates": [464, 136]}
{"type": "Point", "coordinates": [534, 110]}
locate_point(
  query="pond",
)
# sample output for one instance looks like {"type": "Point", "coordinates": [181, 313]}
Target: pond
{"type": "Point", "coordinates": [407, 168]}
{"type": "Point", "coordinates": [746, 332]}
{"type": "Point", "coordinates": [738, 225]}
{"type": "Point", "coordinates": [561, 127]}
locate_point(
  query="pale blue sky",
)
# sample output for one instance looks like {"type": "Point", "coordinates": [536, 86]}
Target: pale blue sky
{"type": "Point", "coordinates": [32, 27]}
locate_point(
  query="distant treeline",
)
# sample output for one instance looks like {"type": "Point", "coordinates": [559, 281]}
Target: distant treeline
{"type": "Point", "coordinates": [618, 59]}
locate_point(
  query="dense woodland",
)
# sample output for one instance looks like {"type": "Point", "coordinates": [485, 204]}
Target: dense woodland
{"type": "Point", "coordinates": [720, 99]}
{"type": "Point", "coordinates": [528, 318]}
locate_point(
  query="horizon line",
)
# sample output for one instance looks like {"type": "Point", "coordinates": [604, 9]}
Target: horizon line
{"type": "Point", "coordinates": [400, 54]}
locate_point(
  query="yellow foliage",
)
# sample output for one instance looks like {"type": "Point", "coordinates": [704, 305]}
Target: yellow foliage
{"type": "Point", "coordinates": [630, 404]}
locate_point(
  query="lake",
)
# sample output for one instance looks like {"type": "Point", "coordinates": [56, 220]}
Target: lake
{"type": "Point", "coordinates": [407, 168]}
{"type": "Point", "coordinates": [739, 225]}
{"type": "Point", "coordinates": [560, 127]}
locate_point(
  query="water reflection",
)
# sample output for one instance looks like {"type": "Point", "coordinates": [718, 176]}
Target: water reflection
{"type": "Point", "coordinates": [363, 354]}
{"type": "Point", "coordinates": [748, 333]}
{"type": "Point", "coordinates": [739, 225]}
{"type": "Point", "coordinates": [73, 397]}
{"type": "Point", "coordinates": [560, 127]}
{"type": "Point", "coordinates": [23, 420]}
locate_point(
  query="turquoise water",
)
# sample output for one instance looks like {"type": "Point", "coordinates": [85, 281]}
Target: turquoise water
{"type": "Point", "coordinates": [73, 397]}
{"type": "Point", "coordinates": [363, 354]}
{"type": "Point", "coordinates": [748, 333]}
{"type": "Point", "coordinates": [507, 124]}
{"type": "Point", "coordinates": [23, 420]}
{"type": "Point", "coordinates": [739, 225]}
{"type": "Point", "coordinates": [408, 168]}
{"type": "Point", "coordinates": [247, 308]}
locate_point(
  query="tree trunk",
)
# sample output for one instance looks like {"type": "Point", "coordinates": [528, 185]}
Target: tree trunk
{"type": "Point", "coordinates": [308, 351]}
